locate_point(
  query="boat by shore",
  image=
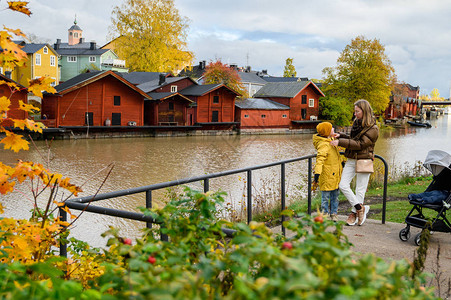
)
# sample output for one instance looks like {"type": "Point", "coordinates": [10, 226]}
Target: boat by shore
{"type": "Point", "coordinates": [419, 123]}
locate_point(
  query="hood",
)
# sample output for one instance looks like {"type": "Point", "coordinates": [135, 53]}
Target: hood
{"type": "Point", "coordinates": [317, 139]}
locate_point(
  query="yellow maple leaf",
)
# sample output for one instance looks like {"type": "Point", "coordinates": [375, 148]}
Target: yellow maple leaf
{"type": "Point", "coordinates": [14, 142]}
{"type": "Point", "coordinates": [8, 45]}
{"type": "Point", "coordinates": [37, 85]}
{"type": "Point", "coordinates": [2, 211]}
{"type": "Point", "coordinates": [30, 124]}
{"type": "Point", "coordinates": [28, 107]}
{"type": "Point", "coordinates": [20, 6]}
{"type": "Point", "coordinates": [4, 104]}
{"type": "Point", "coordinates": [21, 243]}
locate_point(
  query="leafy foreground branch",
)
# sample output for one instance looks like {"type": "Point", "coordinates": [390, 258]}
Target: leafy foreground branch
{"type": "Point", "coordinates": [199, 261]}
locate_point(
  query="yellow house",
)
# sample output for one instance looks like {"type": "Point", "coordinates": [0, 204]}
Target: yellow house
{"type": "Point", "coordinates": [42, 61]}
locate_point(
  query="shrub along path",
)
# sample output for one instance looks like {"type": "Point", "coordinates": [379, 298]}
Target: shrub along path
{"type": "Point", "coordinates": [383, 240]}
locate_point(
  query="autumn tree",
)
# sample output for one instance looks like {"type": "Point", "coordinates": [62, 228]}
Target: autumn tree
{"type": "Point", "coordinates": [217, 72]}
{"type": "Point", "coordinates": [289, 70]}
{"type": "Point", "coordinates": [435, 95]}
{"type": "Point", "coordinates": [363, 71]}
{"type": "Point", "coordinates": [151, 35]}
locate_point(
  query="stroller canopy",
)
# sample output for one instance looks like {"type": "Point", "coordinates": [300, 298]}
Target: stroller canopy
{"type": "Point", "coordinates": [436, 161]}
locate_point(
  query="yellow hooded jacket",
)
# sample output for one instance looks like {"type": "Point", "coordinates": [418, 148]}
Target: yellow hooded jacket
{"type": "Point", "coordinates": [328, 163]}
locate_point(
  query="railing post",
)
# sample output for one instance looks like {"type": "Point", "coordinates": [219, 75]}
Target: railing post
{"type": "Point", "coordinates": [309, 186]}
{"type": "Point", "coordinates": [206, 185]}
{"type": "Point", "coordinates": [149, 205]}
{"type": "Point", "coordinates": [282, 196]}
{"type": "Point", "coordinates": [249, 196]}
{"type": "Point", "coordinates": [384, 197]}
{"type": "Point", "coordinates": [63, 246]}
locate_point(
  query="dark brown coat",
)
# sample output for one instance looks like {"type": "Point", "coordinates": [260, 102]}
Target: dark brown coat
{"type": "Point", "coordinates": [360, 147]}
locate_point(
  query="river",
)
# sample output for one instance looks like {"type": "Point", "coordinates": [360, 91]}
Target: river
{"type": "Point", "coordinates": [145, 161]}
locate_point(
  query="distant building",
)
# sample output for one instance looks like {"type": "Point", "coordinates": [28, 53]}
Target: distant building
{"type": "Point", "coordinates": [42, 61]}
{"type": "Point", "coordinates": [77, 56]}
{"type": "Point", "coordinates": [404, 101]}
{"type": "Point", "coordinates": [14, 112]}
{"type": "Point", "coordinates": [256, 113]}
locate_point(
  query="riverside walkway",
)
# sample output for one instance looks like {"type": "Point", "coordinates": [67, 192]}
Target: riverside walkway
{"type": "Point", "coordinates": [383, 241]}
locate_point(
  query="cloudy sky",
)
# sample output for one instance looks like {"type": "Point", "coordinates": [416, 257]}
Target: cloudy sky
{"type": "Point", "coordinates": [263, 33]}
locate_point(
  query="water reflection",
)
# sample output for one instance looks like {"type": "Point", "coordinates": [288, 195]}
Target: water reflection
{"type": "Point", "coordinates": [145, 161]}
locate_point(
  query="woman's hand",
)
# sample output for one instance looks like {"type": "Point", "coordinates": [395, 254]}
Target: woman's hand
{"type": "Point", "coordinates": [334, 143]}
{"type": "Point", "coordinates": [336, 135]}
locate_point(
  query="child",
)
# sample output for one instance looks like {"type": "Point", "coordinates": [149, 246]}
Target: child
{"type": "Point", "coordinates": [328, 168]}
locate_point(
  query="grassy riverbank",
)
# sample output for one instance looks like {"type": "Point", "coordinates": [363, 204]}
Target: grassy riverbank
{"type": "Point", "coordinates": [397, 202]}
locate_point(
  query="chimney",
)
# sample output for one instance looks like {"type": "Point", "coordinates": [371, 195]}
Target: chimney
{"type": "Point", "coordinates": [248, 69]}
{"type": "Point", "coordinates": [8, 74]}
{"type": "Point", "coordinates": [162, 79]}
{"type": "Point", "coordinates": [56, 46]}
{"type": "Point", "coordinates": [58, 41]}
{"type": "Point", "coordinates": [202, 64]}
{"type": "Point", "coordinates": [81, 40]}
{"type": "Point", "coordinates": [93, 46]}
{"type": "Point", "coordinates": [265, 72]}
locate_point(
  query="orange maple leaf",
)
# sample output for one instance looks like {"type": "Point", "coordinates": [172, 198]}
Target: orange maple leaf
{"type": "Point", "coordinates": [6, 187]}
{"type": "Point", "coordinates": [20, 6]}
{"type": "Point", "coordinates": [14, 142]}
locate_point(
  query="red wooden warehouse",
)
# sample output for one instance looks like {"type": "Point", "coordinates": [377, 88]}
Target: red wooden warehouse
{"type": "Point", "coordinates": [301, 96]}
{"type": "Point", "coordinates": [215, 103]}
{"type": "Point", "coordinates": [95, 99]}
{"type": "Point", "coordinates": [14, 111]}
{"type": "Point", "coordinates": [261, 113]}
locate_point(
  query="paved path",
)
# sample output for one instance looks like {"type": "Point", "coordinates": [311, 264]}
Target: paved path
{"type": "Point", "coordinates": [383, 240]}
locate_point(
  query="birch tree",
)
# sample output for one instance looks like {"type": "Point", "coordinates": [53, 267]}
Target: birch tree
{"type": "Point", "coordinates": [150, 35]}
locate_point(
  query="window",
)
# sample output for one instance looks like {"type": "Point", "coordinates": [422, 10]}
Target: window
{"type": "Point", "coordinates": [46, 50]}
{"type": "Point", "coordinates": [215, 99]}
{"type": "Point", "coordinates": [53, 82]}
{"type": "Point", "coordinates": [246, 116]}
{"type": "Point", "coordinates": [76, 34]}
{"type": "Point", "coordinates": [284, 116]}
{"type": "Point", "coordinates": [304, 99]}
{"type": "Point", "coordinates": [38, 59]}
{"type": "Point", "coordinates": [311, 102]}
{"type": "Point", "coordinates": [52, 60]}
{"type": "Point", "coordinates": [263, 116]}
{"type": "Point", "coordinates": [215, 116]}
{"type": "Point", "coordinates": [117, 100]}
{"type": "Point", "coordinates": [92, 59]}
{"type": "Point", "coordinates": [303, 113]}
{"type": "Point", "coordinates": [72, 59]}
{"type": "Point", "coordinates": [171, 105]}
{"type": "Point", "coordinates": [173, 88]}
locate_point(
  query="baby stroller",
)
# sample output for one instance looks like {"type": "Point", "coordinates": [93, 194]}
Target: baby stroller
{"type": "Point", "coordinates": [439, 163]}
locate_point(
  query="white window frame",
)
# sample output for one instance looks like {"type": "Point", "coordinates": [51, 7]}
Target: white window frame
{"type": "Point", "coordinates": [37, 60]}
{"type": "Point", "coordinates": [53, 82]}
{"type": "Point", "coordinates": [46, 50]}
{"type": "Point", "coordinates": [311, 102]}
{"type": "Point", "coordinates": [173, 88]}
{"type": "Point", "coordinates": [71, 59]}
{"type": "Point", "coordinates": [92, 59]}
{"type": "Point", "coordinates": [52, 60]}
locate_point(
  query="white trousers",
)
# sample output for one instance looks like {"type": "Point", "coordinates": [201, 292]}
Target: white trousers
{"type": "Point", "coordinates": [360, 186]}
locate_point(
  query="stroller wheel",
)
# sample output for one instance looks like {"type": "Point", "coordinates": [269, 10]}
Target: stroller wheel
{"type": "Point", "coordinates": [417, 239]}
{"type": "Point", "coordinates": [404, 234]}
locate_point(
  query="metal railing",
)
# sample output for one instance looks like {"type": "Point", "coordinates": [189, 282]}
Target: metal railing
{"type": "Point", "coordinates": [86, 203]}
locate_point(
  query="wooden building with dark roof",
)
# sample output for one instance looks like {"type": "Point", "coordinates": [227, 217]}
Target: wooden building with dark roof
{"type": "Point", "coordinates": [301, 96]}
{"type": "Point", "coordinates": [253, 113]}
{"type": "Point", "coordinates": [95, 99]}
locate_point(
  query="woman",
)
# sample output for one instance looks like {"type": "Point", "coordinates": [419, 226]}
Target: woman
{"type": "Point", "coordinates": [359, 145]}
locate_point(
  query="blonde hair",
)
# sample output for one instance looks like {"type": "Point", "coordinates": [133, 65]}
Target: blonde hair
{"type": "Point", "coordinates": [368, 118]}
